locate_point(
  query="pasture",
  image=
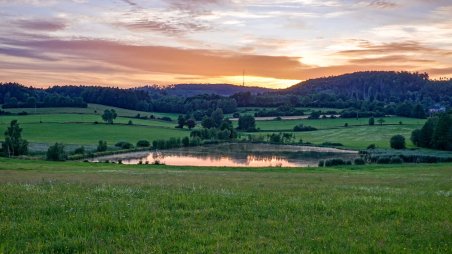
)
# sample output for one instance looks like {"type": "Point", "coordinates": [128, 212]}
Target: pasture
{"type": "Point", "coordinates": [80, 129]}
{"type": "Point", "coordinates": [77, 127]}
{"type": "Point", "coordinates": [81, 207]}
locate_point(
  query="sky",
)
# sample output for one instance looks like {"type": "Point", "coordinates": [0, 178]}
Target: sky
{"type": "Point", "coordinates": [272, 43]}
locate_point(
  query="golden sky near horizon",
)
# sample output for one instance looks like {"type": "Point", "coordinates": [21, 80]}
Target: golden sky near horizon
{"type": "Point", "coordinates": [277, 43]}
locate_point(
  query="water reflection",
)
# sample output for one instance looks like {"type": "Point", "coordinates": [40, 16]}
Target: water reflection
{"type": "Point", "coordinates": [235, 155]}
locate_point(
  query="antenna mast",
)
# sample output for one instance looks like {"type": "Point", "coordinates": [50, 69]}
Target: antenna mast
{"type": "Point", "coordinates": [243, 78]}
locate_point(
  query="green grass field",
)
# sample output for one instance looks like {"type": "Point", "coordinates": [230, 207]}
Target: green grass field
{"type": "Point", "coordinates": [80, 129]}
{"type": "Point", "coordinates": [69, 207]}
{"type": "Point", "coordinates": [92, 109]}
{"type": "Point", "coordinates": [288, 125]}
{"type": "Point", "coordinates": [356, 137]}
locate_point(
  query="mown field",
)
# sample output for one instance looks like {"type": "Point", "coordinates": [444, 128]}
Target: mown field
{"type": "Point", "coordinates": [80, 128]}
{"type": "Point", "coordinates": [67, 207]}
{"type": "Point", "coordinates": [96, 109]}
{"type": "Point", "coordinates": [288, 125]}
{"type": "Point", "coordinates": [76, 126]}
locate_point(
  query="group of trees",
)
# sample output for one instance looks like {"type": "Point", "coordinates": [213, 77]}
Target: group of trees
{"type": "Point", "coordinates": [365, 94]}
{"type": "Point", "coordinates": [215, 127]}
{"type": "Point", "coordinates": [186, 120]}
{"type": "Point", "coordinates": [13, 95]}
{"type": "Point", "coordinates": [14, 144]}
{"type": "Point", "coordinates": [436, 133]}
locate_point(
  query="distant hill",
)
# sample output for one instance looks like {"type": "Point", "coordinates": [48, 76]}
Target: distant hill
{"type": "Point", "coordinates": [189, 90]}
{"type": "Point", "coordinates": [379, 85]}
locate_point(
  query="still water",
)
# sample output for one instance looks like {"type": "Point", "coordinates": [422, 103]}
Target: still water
{"type": "Point", "coordinates": [235, 155]}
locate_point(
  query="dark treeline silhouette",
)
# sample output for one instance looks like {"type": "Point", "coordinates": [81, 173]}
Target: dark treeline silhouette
{"type": "Point", "coordinates": [387, 87]}
{"type": "Point", "coordinates": [13, 95]}
{"type": "Point", "coordinates": [362, 93]}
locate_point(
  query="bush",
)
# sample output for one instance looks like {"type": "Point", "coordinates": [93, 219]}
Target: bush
{"type": "Point", "coordinates": [396, 160]}
{"type": "Point", "coordinates": [130, 122]}
{"type": "Point", "coordinates": [331, 144]}
{"type": "Point", "coordinates": [335, 162]}
{"type": "Point", "coordinates": [80, 150]}
{"type": "Point", "coordinates": [143, 143]}
{"type": "Point", "coordinates": [56, 153]}
{"type": "Point", "coordinates": [321, 163]}
{"type": "Point", "coordinates": [102, 146]}
{"type": "Point", "coordinates": [301, 127]}
{"type": "Point", "coordinates": [372, 146]}
{"type": "Point", "coordinates": [124, 145]}
{"type": "Point", "coordinates": [185, 141]}
{"type": "Point", "coordinates": [383, 160]}
{"type": "Point", "coordinates": [398, 142]}
{"type": "Point", "coordinates": [166, 119]}
{"type": "Point", "coordinates": [359, 161]}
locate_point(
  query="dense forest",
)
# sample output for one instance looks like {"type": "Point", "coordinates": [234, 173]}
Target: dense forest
{"type": "Point", "coordinates": [395, 87]}
{"type": "Point", "coordinates": [362, 93]}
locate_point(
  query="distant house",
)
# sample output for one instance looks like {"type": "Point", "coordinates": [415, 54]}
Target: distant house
{"type": "Point", "coordinates": [437, 108]}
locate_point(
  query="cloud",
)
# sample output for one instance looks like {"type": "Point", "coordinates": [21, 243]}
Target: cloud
{"type": "Point", "coordinates": [174, 27]}
{"type": "Point", "coordinates": [42, 25]}
{"type": "Point", "coordinates": [381, 4]}
{"type": "Point", "coordinates": [391, 60]}
{"type": "Point", "coordinates": [157, 59]}
{"type": "Point", "coordinates": [394, 47]}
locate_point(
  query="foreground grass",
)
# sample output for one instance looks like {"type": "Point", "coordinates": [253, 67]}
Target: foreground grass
{"type": "Point", "coordinates": [81, 207]}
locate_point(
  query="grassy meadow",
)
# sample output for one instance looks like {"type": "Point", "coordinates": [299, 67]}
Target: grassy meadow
{"type": "Point", "coordinates": [358, 134]}
{"type": "Point", "coordinates": [78, 127]}
{"type": "Point", "coordinates": [95, 109]}
{"type": "Point", "coordinates": [80, 207]}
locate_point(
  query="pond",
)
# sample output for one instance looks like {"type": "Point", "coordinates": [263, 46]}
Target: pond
{"type": "Point", "coordinates": [235, 155]}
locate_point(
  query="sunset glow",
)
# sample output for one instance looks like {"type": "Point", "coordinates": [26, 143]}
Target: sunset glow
{"type": "Point", "coordinates": [277, 43]}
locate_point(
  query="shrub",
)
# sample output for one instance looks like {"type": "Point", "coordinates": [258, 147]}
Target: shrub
{"type": "Point", "coordinates": [372, 146]}
{"type": "Point", "coordinates": [166, 119]}
{"type": "Point", "coordinates": [143, 143]}
{"type": "Point", "coordinates": [345, 124]}
{"type": "Point", "coordinates": [335, 162]}
{"type": "Point", "coordinates": [102, 146]}
{"type": "Point", "coordinates": [383, 160]}
{"type": "Point", "coordinates": [247, 123]}
{"type": "Point", "coordinates": [80, 150]}
{"type": "Point", "coordinates": [301, 127]}
{"type": "Point", "coordinates": [397, 142]}
{"type": "Point", "coordinates": [315, 115]}
{"type": "Point", "coordinates": [359, 161]}
{"type": "Point", "coordinates": [321, 163]}
{"type": "Point", "coordinates": [124, 145]}
{"type": "Point", "coordinates": [396, 160]}
{"type": "Point", "coordinates": [130, 122]}
{"type": "Point", "coordinates": [371, 121]}
{"type": "Point", "coordinates": [331, 144]}
{"type": "Point", "coordinates": [185, 141]}
{"type": "Point", "coordinates": [56, 153]}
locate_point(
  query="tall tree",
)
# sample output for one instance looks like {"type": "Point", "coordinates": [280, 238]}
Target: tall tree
{"type": "Point", "coordinates": [109, 115]}
{"type": "Point", "coordinates": [441, 132]}
{"type": "Point", "coordinates": [217, 117]}
{"type": "Point", "coordinates": [14, 145]}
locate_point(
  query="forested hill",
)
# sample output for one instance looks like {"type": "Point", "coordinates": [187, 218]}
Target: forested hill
{"type": "Point", "coordinates": [188, 90]}
{"type": "Point", "coordinates": [377, 85]}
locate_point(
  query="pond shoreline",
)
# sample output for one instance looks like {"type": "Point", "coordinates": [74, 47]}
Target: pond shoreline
{"type": "Point", "coordinates": [232, 154]}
